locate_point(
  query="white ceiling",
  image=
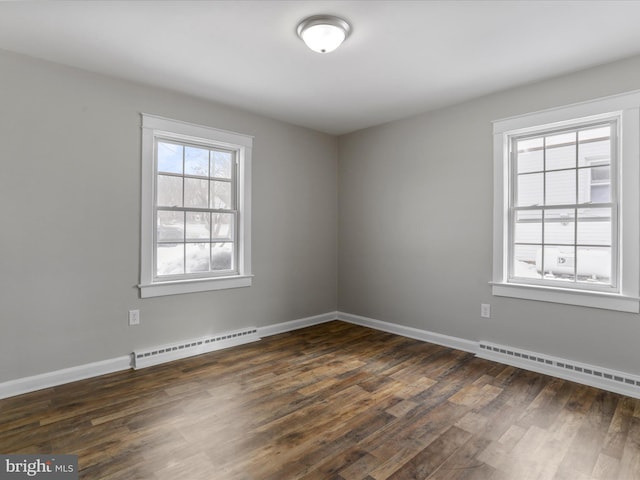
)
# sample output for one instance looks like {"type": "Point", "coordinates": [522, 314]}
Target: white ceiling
{"type": "Point", "coordinates": [403, 57]}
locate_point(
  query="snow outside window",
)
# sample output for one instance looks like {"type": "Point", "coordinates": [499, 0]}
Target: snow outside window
{"type": "Point", "coordinates": [195, 208]}
{"type": "Point", "coordinates": [566, 204]}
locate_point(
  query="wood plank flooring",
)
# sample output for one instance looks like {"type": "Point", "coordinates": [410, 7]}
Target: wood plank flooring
{"type": "Point", "coordinates": [330, 402]}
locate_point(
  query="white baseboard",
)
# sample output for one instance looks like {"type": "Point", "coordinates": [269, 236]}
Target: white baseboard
{"type": "Point", "coordinates": [190, 348]}
{"type": "Point", "coordinates": [424, 335]}
{"type": "Point", "coordinates": [19, 386]}
{"type": "Point", "coordinates": [591, 375]}
{"type": "Point", "coordinates": [60, 377]}
{"type": "Point", "coordinates": [610, 380]}
{"type": "Point", "coordinates": [585, 374]}
{"type": "Point", "coordinates": [296, 324]}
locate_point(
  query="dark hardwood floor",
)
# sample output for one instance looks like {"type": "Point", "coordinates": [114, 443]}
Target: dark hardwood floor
{"type": "Point", "coordinates": [334, 401]}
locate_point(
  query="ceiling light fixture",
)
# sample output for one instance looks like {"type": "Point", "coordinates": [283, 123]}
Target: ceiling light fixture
{"type": "Point", "coordinates": [323, 33]}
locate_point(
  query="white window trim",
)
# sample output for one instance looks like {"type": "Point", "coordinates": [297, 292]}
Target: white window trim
{"type": "Point", "coordinates": [613, 120]}
{"type": "Point", "coordinates": [153, 126]}
{"type": "Point", "coordinates": [627, 298]}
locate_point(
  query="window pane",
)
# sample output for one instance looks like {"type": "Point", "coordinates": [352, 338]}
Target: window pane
{"type": "Point", "coordinates": [170, 226]}
{"type": "Point", "coordinates": [594, 184]}
{"type": "Point", "coordinates": [222, 227]}
{"type": "Point", "coordinates": [169, 191]}
{"type": "Point", "coordinates": [198, 225]}
{"type": "Point", "coordinates": [594, 226]}
{"type": "Point", "coordinates": [530, 161]}
{"type": "Point", "coordinates": [559, 227]}
{"type": "Point", "coordinates": [560, 187]}
{"type": "Point", "coordinates": [221, 164]}
{"type": "Point", "coordinates": [561, 157]}
{"type": "Point", "coordinates": [526, 261]}
{"type": "Point", "coordinates": [198, 256]}
{"type": "Point", "coordinates": [595, 133]}
{"type": "Point", "coordinates": [222, 256]}
{"type": "Point", "coordinates": [530, 144]}
{"type": "Point", "coordinates": [196, 193]}
{"type": "Point", "coordinates": [559, 263]}
{"type": "Point", "coordinates": [221, 195]}
{"type": "Point", "coordinates": [591, 152]}
{"type": "Point", "coordinates": [530, 190]}
{"type": "Point", "coordinates": [170, 259]}
{"type": "Point", "coordinates": [196, 161]}
{"type": "Point", "coordinates": [528, 228]}
{"type": "Point", "coordinates": [560, 139]}
{"type": "Point", "coordinates": [594, 265]}
{"type": "Point", "coordinates": [530, 155]}
{"type": "Point", "coordinates": [169, 157]}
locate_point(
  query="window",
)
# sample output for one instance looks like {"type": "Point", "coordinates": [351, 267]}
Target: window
{"type": "Point", "coordinates": [566, 205]}
{"type": "Point", "coordinates": [195, 208]}
{"type": "Point", "coordinates": [562, 216]}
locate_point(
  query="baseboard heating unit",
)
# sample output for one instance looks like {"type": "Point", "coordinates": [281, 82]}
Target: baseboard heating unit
{"type": "Point", "coordinates": [611, 380]}
{"type": "Point", "coordinates": [189, 348]}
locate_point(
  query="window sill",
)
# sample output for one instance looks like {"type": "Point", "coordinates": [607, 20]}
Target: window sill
{"type": "Point", "coordinates": [193, 286]}
{"type": "Point", "coordinates": [607, 301]}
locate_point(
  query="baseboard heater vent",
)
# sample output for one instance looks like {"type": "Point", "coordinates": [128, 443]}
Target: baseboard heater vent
{"type": "Point", "coordinates": [167, 353]}
{"type": "Point", "coordinates": [624, 383]}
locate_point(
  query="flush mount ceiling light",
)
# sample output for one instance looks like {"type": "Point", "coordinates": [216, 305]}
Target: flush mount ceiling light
{"type": "Point", "coordinates": [323, 33]}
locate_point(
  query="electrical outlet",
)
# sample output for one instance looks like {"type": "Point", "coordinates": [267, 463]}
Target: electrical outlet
{"type": "Point", "coordinates": [485, 310]}
{"type": "Point", "coordinates": [134, 317]}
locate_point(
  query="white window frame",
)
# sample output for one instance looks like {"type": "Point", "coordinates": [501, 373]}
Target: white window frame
{"type": "Point", "coordinates": [513, 138]}
{"type": "Point", "coordinates": [625, 295]}
{"type": "Point", "coordinates": [154, 128]}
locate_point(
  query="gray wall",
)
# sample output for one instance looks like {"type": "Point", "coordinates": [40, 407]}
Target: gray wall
{"type": "Point", "coordinates": [415, 228]}
{"type": "Point", "coordinates": [70, 203]}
